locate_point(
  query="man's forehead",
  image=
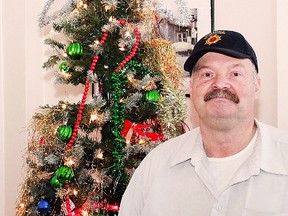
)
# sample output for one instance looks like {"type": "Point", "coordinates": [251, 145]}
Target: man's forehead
{"type": "Point", "coordinates": [211, 58]}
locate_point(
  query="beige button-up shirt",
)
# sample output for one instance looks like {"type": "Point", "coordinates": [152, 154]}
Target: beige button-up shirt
{"type": "Point", "coordinates": [173, 180]}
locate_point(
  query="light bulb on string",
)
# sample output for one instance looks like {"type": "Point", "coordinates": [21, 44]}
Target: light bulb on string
{"type": "Point", "coordinates": [64, 106]}
{"type": "Point", "coordinates": [64, 54]}
{"type": "Point", "coordinates": [99, 154]}
{"type": "Point", "coordinates": [112, 19]}
{"type": "Point", "coordinates": [127, 142]}
{"type": "Point", "coordinates": [65, 75]}
{"type": "Point", "coordinates": [94, 117]}
{"type": "Point", "coordinates": [141, 141]}
{"type": "Point", "coordinates": [131, 79]}
{"type": "Point", "coordinates": [127, 34]}
{"type": "Point", "coordinates": [69, 162]}
{"type": "Point", "coordinates": [84, 213]}
{"type": "Point", "coordinates": [122, 48]}
{"type": "Point", "coordinates": [55, 130]}
{"type": "Point", "coordinates": [83, 5]}
{"type": "Point", "coordinates": [107, 7]}
{"type": "Point", "coordinates": [21, 206]}
{"type": "Point", "coordinates": [75, 192]}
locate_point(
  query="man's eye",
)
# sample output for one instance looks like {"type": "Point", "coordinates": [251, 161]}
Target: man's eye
{"type": "Point", "coordinates": [236, 74]}
{"type": "Point", "coordinates": [207, 74]}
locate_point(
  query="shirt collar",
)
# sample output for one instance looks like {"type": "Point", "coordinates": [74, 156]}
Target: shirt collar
{"type": "Point", "coordinates": [191, 148]}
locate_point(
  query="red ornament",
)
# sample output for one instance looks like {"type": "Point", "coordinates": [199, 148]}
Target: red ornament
{"type": "Point", "coordinates": [113, 207]}
{"type": "Point", "coordinates": [42, 140]}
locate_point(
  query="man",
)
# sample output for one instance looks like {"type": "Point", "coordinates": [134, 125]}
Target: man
{"type": "Point", "coordinates": [232, 164]}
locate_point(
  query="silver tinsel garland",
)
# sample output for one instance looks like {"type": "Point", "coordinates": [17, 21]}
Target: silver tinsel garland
{"type": "Point", "coordinates": [183, 19]}
{"type": "Point", "coordinates": [64, 11]}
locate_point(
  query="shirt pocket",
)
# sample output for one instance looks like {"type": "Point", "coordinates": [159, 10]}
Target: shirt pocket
{"type": "Point", "coordinates": [249, 212]}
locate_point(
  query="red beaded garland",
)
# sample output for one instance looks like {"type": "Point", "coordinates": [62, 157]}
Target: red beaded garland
{"type": "Point", "coordinates": [134, 49]}
{"type": "Point", "coordinates": [92, 68]}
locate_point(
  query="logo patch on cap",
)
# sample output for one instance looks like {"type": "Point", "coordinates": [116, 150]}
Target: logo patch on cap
{"type": "Point", "coordinates": [212, 39]}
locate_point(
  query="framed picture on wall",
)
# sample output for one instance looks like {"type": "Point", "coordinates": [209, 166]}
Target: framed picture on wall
{"type": "Point", "coordinates": [183, 22]}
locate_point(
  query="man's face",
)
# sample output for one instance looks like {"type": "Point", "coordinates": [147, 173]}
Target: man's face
{"type": "Point", "coordinates": [223, 87]}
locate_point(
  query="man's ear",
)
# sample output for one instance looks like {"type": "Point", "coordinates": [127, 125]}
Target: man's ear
{"type": "Point", "coordinates": [191, 85]}
{"type": "Point", "coordinates": [257, 87]}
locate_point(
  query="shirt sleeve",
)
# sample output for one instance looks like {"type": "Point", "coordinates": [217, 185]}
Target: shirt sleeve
{"type": "Point", "coordinates": [133, 198]}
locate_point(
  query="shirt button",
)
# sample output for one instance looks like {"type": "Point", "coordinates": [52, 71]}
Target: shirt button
{"type": "Point", "coordinates": [218, 207]}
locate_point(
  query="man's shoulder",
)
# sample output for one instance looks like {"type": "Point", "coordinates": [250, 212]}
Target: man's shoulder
{"type": "Point", "coordinates": [274, 148]}
{"type": "Point", "coordinates": [274, 134]}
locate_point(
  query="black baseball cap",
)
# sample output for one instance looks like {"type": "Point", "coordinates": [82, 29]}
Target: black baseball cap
{"type": "Point", "coordinates": [229, 43]}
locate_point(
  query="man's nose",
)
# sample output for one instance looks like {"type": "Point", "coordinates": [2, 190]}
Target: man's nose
{"type": "Point", "coordinates": [221, 82]}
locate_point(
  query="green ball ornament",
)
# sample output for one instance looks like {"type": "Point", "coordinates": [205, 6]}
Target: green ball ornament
{"type": "Point", "coordinates": [64, 67]}
{"type": "Point", "coordinates": [152, 96]}
{"type": "Point", "coordinates": [64, 132]}
{"type": "Point", "coordinates": [75, 50]}
{"type": "Point", "coordinates": [55, 183]}
{"type": "Point", "coordinates": [62, 176]}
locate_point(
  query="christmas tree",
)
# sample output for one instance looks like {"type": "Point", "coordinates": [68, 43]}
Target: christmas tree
{"type": "Point", "coordinates": [80, 156]}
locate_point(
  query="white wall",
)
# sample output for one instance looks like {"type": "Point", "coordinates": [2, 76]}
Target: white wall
{"type": "Point", "coordinates": [2, 159]}
{"type": "Point", "coordinates": [14, 98]}
{"type": "Point", "coordinates": [282, 69]}
{"type": "Point", "coordinates": [24, 85]}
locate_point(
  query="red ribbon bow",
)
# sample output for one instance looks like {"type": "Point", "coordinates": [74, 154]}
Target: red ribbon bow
{"type": "Point", "coordinates": [139, 129]}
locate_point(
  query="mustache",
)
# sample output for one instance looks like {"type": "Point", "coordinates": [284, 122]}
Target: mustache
{"type": "Point", "coordinates": [216, 93]}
